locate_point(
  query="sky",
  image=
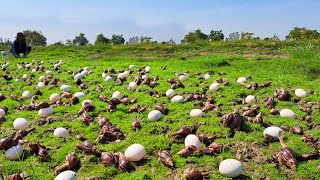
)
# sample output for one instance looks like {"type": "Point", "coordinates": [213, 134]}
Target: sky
{"type": "Point", "coordinates": [59, 20]}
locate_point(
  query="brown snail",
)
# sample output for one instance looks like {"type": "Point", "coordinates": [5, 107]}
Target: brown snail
{"type": "Point", "coordinates": [71, 163]}
{"type": "Point", "coordinates": [286, 155]}
{"type": "Point", "coordinates": [187, 151]}
{"type": "Point", "coordinates": [107, 158]}
{"type": "Point", "coordinates": [194, 174]}
{"type": "Point", "coordinates": [165, 158]}
{"type": "Point", "coordinates": [136, 125]}
{"type": "Point", "coordinates": [15, 176]}
{"type": "Point", "coordinates": [41, 151]}
{"type": "Point", "coordinates": [86, 118]}
{"type": "Point", "coordinates": [124, 163]}
{"type": "Point", "coordinates": [89, 148]}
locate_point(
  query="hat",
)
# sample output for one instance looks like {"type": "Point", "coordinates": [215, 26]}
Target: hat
{"type": "Point", "coordinates": [20, 34]}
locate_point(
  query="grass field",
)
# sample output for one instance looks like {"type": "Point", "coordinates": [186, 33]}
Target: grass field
{"type": "Point", "coordinates": [287, 66]}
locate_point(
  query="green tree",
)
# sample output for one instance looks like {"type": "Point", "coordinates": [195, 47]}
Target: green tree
{"type": "Point", "coordinates": [199, 35]}
{"type": "Point", "coordinates": [117, 39]}
{"type": "Point", "coordinates": [35, 38]}
{"type": "Point", "coordinates": [234, 36]}
{"type": "Point", "coordinates": [303, 34]}
{"type": "Point", "coordinates": [101, 39]}
{"type": "Point", "coordinates": [216, 35]}
{"type": "Point", "coordinates": [192, 37]}
{"type": "Point", "coordinates": [145, 39]}
{"type": "Point", "coordinates": [80, 40]}
{"type": "Point", "coordinates": [134, 40]}
{"type": "Point", "coordinates": [5, 41]}
{"type": "Point", "coordinates": [246, 35]}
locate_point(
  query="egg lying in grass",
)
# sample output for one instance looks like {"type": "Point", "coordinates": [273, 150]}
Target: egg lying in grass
{"type": "Point", "coordinates": [135, 152]}
{"type": "Point", "coordinates": [169, 92]}
{"type": "Point", "coordinates": [45, 112]}
{"type": "Point", "coordinates": [196, 113]}
{"type": "Point", "coordinates": [287, 113]}
{"type": "Point", "coordinates": [183, 78]}
{"type": "Point", "coordinates": [55, 97]}
{"type": "Point", "coordinates": [14, 153]}
{"type": "Point", "coordinates": [241, 80]}
{"type": "Point", "coordinates": [178, 99]}
{"type": "Point", "coordinates": [300, 93]}
{"type": "Point", "coordinates": [273, 131]}
{"type": "Point", "coordinates": [250, 99]}
{"type": "Point", "coordinates": [154, 115]}
{"type": "Point", "coordinates": [65, 88]}
{"type": "Point", "coordinates": [231, 168]}
{"type": "Point", "coordinates": [133, 85]}
{"type": "Point", "coordinates": [20, 124]}
{"type": "Point", "coordinates": [26, 95]}
{"type": "Point", "coordinates": [214, 87]}
{"type": "Point", "coordinates": [79, 95]}
{"type": "Point", "coordinates": [192, 139]}
{"type": "Point", "coordinates": [66, 175]}
{"type": "Point", "coordinates": [117, 95]}
{"type": "Point", "coordinates": [61, 132]}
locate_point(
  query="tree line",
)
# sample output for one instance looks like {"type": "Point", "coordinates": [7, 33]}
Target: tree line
{"type": "Point", "coordinates": [36, 38]}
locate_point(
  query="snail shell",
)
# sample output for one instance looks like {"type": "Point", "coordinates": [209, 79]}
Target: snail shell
{"type": "Point", "coordinates": [165, 158]}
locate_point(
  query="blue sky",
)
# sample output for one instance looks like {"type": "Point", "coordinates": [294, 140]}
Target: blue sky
{"type": "Point", "coordinates": [161, 19]}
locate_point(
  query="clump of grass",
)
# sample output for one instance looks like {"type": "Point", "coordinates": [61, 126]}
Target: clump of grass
{"type": "Point", "coordinates": [306, 59]}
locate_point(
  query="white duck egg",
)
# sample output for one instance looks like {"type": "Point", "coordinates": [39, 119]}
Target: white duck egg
{"type": "Point", "coordinates": [207, 76]}
{"type": "Point", "coordinates": [192, 139]}
{"type": "Point", "coordinates": [25, 76]}
{"type": "Point", "coordinates": [66, 175]}
{"type": "Point", "coordinates": [2, 113]}
{"type": "Point", "coordinates": [14, 153]}
{"type": "Point", "coordinates": [131, 67]}
{"type": "Point", "coordinates": [65, 88]}
{"type": "Point", "coordinates": [250, 99]}
{"type": "Point", "coordinates": [42, 78]}
{"type": "Point", "coordinates": [148, 69]}
{"type": "Point", "coordinates": [45, 112]}
{"type": "Point", "coordinates": [287, 113]}
{"type": "Point", "coordinates": [121, 76]}
{"type": "Point", "coordinates": [78, 76]}
{"type": "Point", "coordinates": [135, 152]}
{"type": "Point", "coordinates": [183, 78]}
{"type": "Point", "coordinates": [108, 78]}
{"type": "Point", "coordinates": [133, 85]}
{"type": "Point", "coordinates": [79, 94]}
{"type": "Point", "coordinates": [87, 101]}
{"type": "Point", "coordinates": [26, 94]}
{"type": "Point", "coordinates": [300, 93]}
{"type": "Point", "coordinates": [117, 95]}
{"type": "Point", "coordinates": [61, 132]}
{"type": "Point", "coordinates": [241, 80]}
{"type": "Point", "coordinates": [214, 87]}
{"type": "Point", "coordinates": [154, 115]}
{"type": "Point", "coordinates": [196, 113]}
{"type": "Point", "coordinates": [178, 99]}
{"type": "Point", "coordinates": [55, 97]}
{"type": "Point", "coordinates": [273, 131]}
{"type": "Point", "coordinates": [169, 92]}
{"type": "Point", "coordinates": [230, 168]}
{"type": "Point", "coordinates": [20, 124]}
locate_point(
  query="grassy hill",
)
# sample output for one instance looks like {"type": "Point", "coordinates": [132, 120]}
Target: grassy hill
{"type": "Point", "coordinates": [289, 65]}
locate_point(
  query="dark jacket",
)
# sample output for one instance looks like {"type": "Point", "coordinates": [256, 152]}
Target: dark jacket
{"type": "Point", "coordinates": [17, 48]}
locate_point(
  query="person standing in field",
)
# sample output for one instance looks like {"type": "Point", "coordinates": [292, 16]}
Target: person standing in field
{"type": "Point", "coordinates": [19, 46]}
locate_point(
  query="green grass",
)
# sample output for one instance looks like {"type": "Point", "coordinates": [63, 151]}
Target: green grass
{"type": "Point", "coordinates": [298, 70]}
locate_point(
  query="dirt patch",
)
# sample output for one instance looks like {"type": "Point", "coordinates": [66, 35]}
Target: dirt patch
{"type": "Point", "coordinates": [248, 152]}
{"type": "Point", "coordinates": [258, 56]}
